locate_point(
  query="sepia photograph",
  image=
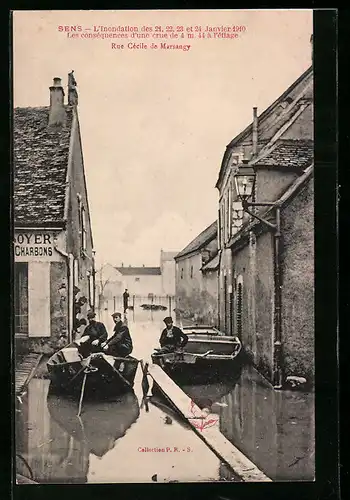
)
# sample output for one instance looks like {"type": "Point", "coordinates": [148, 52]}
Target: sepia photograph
{"type": "Point", "coordinates": [163, 248]}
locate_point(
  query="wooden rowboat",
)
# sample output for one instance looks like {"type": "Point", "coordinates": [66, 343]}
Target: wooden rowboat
{"type": "Point", "coordinates": [105, 376]}
{"type": "Point", "coordinates": [208, 355]}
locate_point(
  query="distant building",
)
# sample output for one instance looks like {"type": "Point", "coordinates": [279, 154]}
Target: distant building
{"type": "Point", "coordinates": [53, 247]}
{"type": "Point", "coordinates": [272, 310]}
{"type": "Point", "coordinates": [109, 282]}
{"type": "Point", "coordinates": [167, 269]}
{"type": "Point", "coordinates": [197, 278]}
{"type": "Point", "coordinates": [142, 281]}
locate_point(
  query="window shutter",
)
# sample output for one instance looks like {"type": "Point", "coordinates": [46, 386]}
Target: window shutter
{"type": "Point", "coordinates": [39, 299]}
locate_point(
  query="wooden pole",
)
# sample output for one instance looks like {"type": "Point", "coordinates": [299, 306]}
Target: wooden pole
{"type": "Point", "coordinates": [114, 308]}
{"type": "Point", "coordinates": [82, 394]}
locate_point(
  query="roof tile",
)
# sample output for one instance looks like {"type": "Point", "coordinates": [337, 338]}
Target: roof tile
{"type": "Point", "coordinates": [288, 153]}
{"type": "Point", "coordinates": [40, 155]}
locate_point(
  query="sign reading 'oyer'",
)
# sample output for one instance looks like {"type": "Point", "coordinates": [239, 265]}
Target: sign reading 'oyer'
{"type": "Point", "coordinates": [34, 246]}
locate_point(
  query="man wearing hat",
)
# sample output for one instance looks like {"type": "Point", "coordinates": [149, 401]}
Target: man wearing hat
{"type": "Point", "coordinates": [172, 336]}
{"type": "Point", "coordinates": [94, 335]}
{"type": "Point", "coordinates": [120, 344]}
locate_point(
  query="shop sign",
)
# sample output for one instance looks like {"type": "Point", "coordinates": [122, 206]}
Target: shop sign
{"type": "Point", "coordinates": [35, 246]}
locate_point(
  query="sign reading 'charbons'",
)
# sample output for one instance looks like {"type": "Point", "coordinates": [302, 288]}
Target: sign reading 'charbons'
{"type": "Point", "coordinates": [28, 245]}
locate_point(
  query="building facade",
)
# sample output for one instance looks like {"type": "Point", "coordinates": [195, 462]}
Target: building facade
{"type": "Point", "coordinates": [197, 278]}
{"type": "Point", "coordinates": [167, 269]}
{"type": "Point", "coordinates": [141, 281]}
{"type": "Point", "coordinates": [53, 248]}
{"type": "Point", "coordinates": [269, 304]}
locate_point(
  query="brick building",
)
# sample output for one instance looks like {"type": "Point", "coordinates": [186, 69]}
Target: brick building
{"type": "Point", "coordinates": [53, 247]}
{"type": "Point", "coordinates": [197, 278]}
{"type": "Point", "coordinates": [279, 144]}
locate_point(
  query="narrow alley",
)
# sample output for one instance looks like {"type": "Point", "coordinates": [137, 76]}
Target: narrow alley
{"type": "Point", "coordinates": [112, 442]}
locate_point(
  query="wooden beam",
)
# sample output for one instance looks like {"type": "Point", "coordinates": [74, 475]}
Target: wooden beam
{"type": "Point", "coordinates": [212, 436]}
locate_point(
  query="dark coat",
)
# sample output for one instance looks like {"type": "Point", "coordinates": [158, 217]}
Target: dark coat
{"type": "Point", "coordinates": [96, 331]}
{"type": "Point", "coordinates": [179, 339]}
{"type": "Point", "coordinates": [120, 344]}
{"type": "Point", "coordinates": [125, 297]}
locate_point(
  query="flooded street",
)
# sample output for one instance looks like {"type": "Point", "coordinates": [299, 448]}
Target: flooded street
{"type": "Point", "coordinates": [128, 440]}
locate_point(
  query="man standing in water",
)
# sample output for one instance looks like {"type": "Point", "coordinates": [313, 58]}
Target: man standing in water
{"type": "Point", "coordinates": [120, 344]}
{"type": "Point", "coordinates": [126, 300]}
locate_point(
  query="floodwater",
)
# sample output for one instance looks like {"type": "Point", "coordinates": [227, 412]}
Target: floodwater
{"type": "Point", "coordinates": [130, 440]}
{"type": "Point", "coordinates": [121, 441]}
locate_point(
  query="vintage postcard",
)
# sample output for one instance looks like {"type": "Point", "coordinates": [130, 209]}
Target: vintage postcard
{"type": "Point", "coordinates": [163, 211]}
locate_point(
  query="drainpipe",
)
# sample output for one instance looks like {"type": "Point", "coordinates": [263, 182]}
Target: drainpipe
{"type": "Point", "coordinates": [278, 362]}
{"type": "Point", "coordinates": [219, 271]}
{"type": "Point", "coordinates": [255, 131]}
{"type": "Point", "coordinates": [69, 258]}
{"type": "Point", "coordinates": [94, 283]}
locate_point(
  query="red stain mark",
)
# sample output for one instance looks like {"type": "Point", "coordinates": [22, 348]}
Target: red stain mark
{"type": "Point", "coordinates": [203, 421]}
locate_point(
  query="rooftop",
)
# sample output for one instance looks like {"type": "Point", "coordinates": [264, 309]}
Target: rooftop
{"type": "Point", "coordinates": [288, 153]}
{"type": "Point", "coordinates": [138, 271]}
{"type": "Point", "coordinates": [167, 255]}
{"type": "Point", "coordinates": [40, 159]}
{"type": "Point", "coordinates": [199, 241]}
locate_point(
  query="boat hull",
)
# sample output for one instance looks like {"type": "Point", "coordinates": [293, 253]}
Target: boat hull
{"type": "Point", "coordinates": [105, 376]}
{"type": "Point", "coordinates": [196, 369]}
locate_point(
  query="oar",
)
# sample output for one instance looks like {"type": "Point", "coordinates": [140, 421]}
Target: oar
{"type": "Point", "coordinates": [81, 369]}
{"type": "Point", "coordinates": [83, 386]}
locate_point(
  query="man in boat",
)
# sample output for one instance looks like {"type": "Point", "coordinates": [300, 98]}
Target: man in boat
{"type": "Point", "coordinates": [172, 337]}
{"type": "Point", "coordinates": [120, 344]}
{"type": "Point", "coordinates": [94, 335]}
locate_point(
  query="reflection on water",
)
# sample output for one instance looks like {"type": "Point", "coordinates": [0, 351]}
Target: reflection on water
{"type": "Point", "coordinates": [99, 425]}
{"type": "Point", "coordinates": [56, 444]}
{"type": "Point", "coordinates": [110, 443]}
{"type": "Point", "coordinates": [275, 429]}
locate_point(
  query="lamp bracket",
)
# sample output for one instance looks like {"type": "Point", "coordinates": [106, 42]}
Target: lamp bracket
{"type": "Point", "coordinates": [246, 205]}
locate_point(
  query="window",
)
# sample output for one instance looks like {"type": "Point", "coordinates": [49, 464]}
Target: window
{"type": "Point", "coordinates": [83, 229]}
{"type": "Point", "coordinates": [137, 279]}
{"type": "Point", "coordinates": [191, 272]}
{"type": "Point", "coordinates": [182, 273]}
{"type": "Point", "coordinates": [21, 298]}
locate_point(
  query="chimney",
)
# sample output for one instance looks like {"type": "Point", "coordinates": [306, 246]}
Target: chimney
{"type": "Point", "coordinates": [57, 114]}
{"type": "Point", "coordinates": [72, 90]}
{"type": "Point", "coordinates": [255, 131]}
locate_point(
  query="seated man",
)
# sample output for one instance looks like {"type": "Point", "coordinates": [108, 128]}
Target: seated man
{"type": "Point", "coordinates": [172, 337]}
{"type": "Point", "coordinates": [120, 344]}
{"type": "Point", "coordinates": [94, 335]}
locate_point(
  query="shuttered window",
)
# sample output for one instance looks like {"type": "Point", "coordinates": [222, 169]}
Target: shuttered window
{"type": "Point", "coordinates": [21, 298]}
{"type": "Point", "coordinates": [39, 299]}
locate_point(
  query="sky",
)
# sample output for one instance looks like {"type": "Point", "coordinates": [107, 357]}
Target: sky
{"type": "Point", "coordinates": [154, 122]}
